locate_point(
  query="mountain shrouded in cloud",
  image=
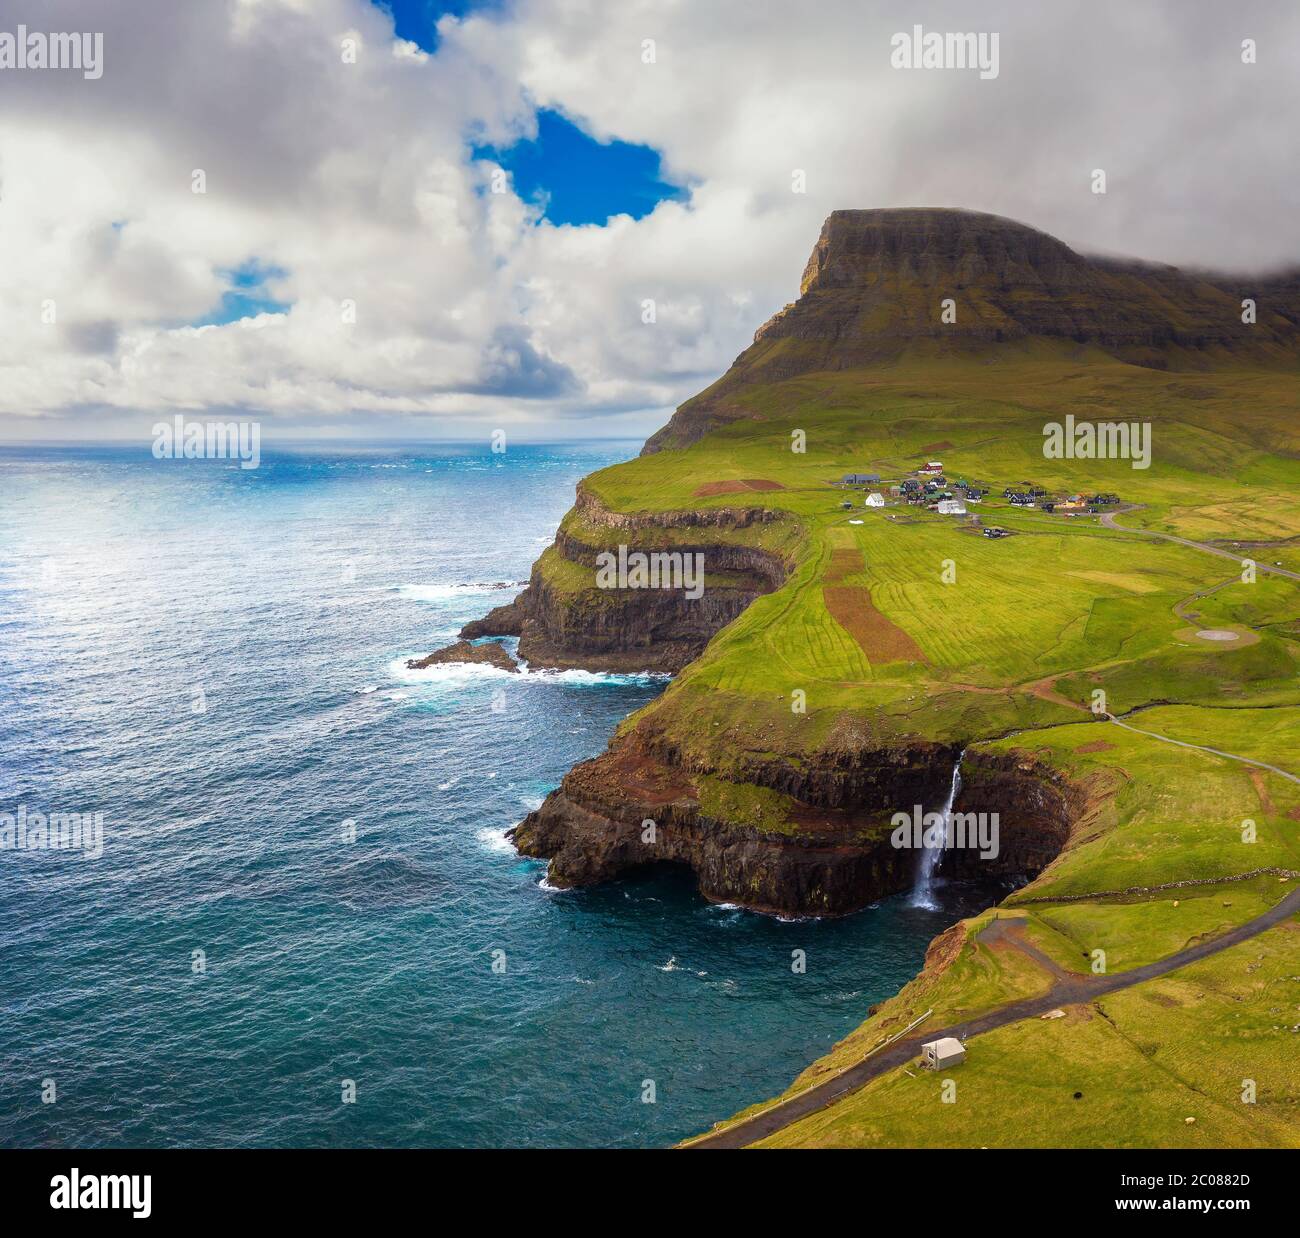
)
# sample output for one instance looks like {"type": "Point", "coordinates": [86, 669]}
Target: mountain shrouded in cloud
{"type": "Point", "coordinates": [407, 284]}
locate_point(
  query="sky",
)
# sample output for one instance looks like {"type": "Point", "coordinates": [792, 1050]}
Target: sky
{"type": "Point", "coordinates": [561, 218]}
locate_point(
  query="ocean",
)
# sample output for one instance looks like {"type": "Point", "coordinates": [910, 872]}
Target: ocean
{"type": "Point", "coordinates": [306, 926]}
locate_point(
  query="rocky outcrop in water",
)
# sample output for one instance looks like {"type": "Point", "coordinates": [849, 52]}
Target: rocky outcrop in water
{"type": "Point", "coordinates": [631, 630]}
{"type": "Point", "coordinates": [487, 654]}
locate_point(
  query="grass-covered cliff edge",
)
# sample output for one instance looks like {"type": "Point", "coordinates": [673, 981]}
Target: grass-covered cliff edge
{"type": "Point", "coordinates": [840, 659]}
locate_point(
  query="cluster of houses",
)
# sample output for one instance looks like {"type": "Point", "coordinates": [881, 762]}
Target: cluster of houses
{"type": "Point", "coordinates": [1071, 505]}
{"type": "Point", "coordinates": [929, 488]}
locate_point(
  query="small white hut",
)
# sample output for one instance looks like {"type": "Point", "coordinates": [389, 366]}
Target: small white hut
{"type": "Point", "coordinates": [875, 499]}
{"type": "Point", "coordinates": [938, 1054]}
{"type": "Point", "coordinates": [951, 507]}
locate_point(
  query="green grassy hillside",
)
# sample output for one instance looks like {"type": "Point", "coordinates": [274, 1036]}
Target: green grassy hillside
{"type": "Point", "coordinates": [1009, 653]}
{"type": "Point", "coordinates": [897, 624]}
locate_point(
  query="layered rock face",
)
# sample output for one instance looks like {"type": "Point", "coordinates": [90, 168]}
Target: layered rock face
{"type": "Point", "coordinates": [1034, 809]}
{"type": "Point", "coordinates": [873, 291]}
{"type": "Point", "coordinates": [632, 630]}
{"type": "Point", "coordinates": [634, 806]}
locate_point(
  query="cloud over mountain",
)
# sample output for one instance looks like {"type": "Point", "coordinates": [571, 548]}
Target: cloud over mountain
{"type": "Point", "coordinates": [408, 294]}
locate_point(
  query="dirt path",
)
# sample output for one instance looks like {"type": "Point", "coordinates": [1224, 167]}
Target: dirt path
{"type": "Point", "coordinates": [1108, 520]}
{"type": "Point", "coordinates": [1045, 689]}
{"type": "Point", "coordinates": [1063, 993]}
{"type": "Point", "coordinates": [999, 932]}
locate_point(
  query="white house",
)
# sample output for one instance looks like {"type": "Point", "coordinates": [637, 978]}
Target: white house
{"type": "Point", "coordinates": [875, 499]}
{"type": "Point", "coordinates": [951, 507]}
{"type": "Point", "coordinates": [937, 1054]}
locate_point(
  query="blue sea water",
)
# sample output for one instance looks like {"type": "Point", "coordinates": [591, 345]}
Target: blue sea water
{"type": "Point", "coordinates": [213, 658]}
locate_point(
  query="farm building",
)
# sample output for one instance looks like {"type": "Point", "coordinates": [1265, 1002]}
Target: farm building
{"type": "Point", "coordinates": [951, 507]}
{"type": "Point", "coordinates": [875, 499]}
{"type": "Point", "coordinates": [948, 1051]}
{"type": "Point", "coordinates": [861, 479]}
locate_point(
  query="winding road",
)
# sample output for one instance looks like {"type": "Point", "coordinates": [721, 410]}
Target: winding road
{"type": "Point", "coordinates": [1065, 992]}
{"type": "Point", "coordinates": [1108, 520]}
{"type": "Point", "coordinates": [1067, 988]}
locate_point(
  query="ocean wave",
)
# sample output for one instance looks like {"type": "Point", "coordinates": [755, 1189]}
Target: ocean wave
{"type": "Point", "coordinates": [375, 883]}
{"type": "Point", "coordinates": [440, 593]}
{"type": "Point", "coordinates": [452, 673]}
{"type": "Point", "coordinates": [467, 672]}
{"type": "Point", "coordinates": [595, 678]}
{"type": "Point", "coordinates": [495, 840]}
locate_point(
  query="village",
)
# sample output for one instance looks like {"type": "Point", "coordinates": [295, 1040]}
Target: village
{"type": "Point", "coordinates": [928, 488]}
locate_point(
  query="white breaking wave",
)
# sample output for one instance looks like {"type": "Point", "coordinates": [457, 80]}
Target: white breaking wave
{"type": "Point", "coordinates": [440, 593]}
{"type": "Point", "coordinates": [451, 673]}
{"type": "Point", "coordinates": [596, 677]}
{"type": "Point", "coordinates": [495, 840]}
{"type": "Point", "coordinates": [466, 672]}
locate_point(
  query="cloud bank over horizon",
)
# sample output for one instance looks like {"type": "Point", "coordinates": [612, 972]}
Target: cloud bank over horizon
{"type": "Point", "coordinates": [359, 261]}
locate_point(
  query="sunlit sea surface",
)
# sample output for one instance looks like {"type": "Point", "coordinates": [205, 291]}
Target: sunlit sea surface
{"type": "Point", "coordinates": [213, 658]}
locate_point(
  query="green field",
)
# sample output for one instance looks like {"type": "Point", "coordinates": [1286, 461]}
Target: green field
{"type": "Point", "coordinates": [906, 625]}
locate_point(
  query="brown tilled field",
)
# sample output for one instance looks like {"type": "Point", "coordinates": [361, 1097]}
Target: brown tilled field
{"type": "Point", "coordinates": [736, 487]}
{"type": "Point", "coordinates": [880, 638]}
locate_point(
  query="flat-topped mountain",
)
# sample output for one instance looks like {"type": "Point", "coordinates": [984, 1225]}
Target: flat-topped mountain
{"type": "Point", "coordinates": [876, 286]}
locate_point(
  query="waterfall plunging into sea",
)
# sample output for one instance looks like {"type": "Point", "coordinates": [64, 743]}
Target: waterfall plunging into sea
{"type": "Point", "coordinates": [923, 891]}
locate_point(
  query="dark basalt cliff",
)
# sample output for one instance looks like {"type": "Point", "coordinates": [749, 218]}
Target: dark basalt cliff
{"type": "Point", "coordinates": [632, 630]}
{"type": "Point", "coordinates": [873, 289]}
{"type": "Point", "coordinates": [635, 806]}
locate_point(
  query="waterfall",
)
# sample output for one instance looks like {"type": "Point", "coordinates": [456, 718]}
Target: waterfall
{"type": "Point", "coordinates": [923, 891]}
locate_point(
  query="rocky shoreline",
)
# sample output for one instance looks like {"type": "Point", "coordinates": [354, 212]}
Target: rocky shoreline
{"type": "Point", "coordinates": [628, 631]}
{"type": "Point", "coordinates": [632, 807]}
{"type": "Point", "coordinates": [638, 803]}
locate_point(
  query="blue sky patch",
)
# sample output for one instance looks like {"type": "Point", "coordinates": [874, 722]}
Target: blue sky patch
{"type": "Point", "coordinates": [417, 20]}
{"type": "Point", "coordinates": [581, 180]}
{"type": "Point", "coordinates": [246, 296]}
